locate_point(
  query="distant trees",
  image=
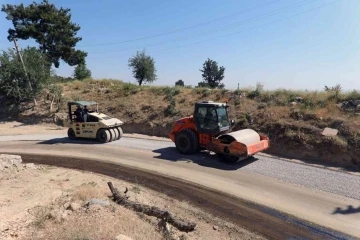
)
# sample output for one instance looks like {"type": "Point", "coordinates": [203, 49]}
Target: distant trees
{"type": "Point", "coordinates": [143, 67]}
{"type": "Point", "coordinates": [81, 72]}
{"type": "Point", "coordinates": [50, 27]}
{"type": "Point", "coordinates": [14, 81]}
{"type": "Point", "coordinates": [212, 74]}
{"type": "Point", "coordinates": [180, 83]}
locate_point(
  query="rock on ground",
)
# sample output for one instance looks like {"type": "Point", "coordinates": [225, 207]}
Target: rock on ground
{"type": "Point", "coordinates": [10, 163]}
{"type": "Point", "coordinates": [74, 206]}
{"type": "Point", "coordinates": [10, 160]}
{"type": "Point", "coordinates": [94, 201]}
{"type": "Point", "coordinates": [30, 166]}
{"type": "Point", "coordinates": [122, 237]}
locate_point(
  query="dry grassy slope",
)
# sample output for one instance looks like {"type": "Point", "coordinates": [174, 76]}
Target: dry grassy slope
{"type": "Point", "coordinates": [295, 131]}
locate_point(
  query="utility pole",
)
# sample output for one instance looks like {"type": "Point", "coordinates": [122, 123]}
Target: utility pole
{"type": "Point", "coordinates": [22, 62]}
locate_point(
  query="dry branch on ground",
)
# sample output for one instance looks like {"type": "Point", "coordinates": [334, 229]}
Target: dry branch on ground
{"type": "Point", "coordinates": [123, 200]}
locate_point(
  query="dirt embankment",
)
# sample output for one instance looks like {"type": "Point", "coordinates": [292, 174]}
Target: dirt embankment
{"type": "Point", "coordinates": [293, 120]}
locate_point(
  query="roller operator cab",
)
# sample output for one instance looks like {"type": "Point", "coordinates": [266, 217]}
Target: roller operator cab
{"type": "Point", "coordinates": [85, 122]}
{"type": "Point", "coordinates": [209, 128]}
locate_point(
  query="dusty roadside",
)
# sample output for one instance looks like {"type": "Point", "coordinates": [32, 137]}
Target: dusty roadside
{"type": "Point", "coordinates": [18, 128]}
{"type": "Point", "coordinates": [42, 202]}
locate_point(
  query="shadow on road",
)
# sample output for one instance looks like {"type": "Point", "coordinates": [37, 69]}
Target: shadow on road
{"type": "Point", "coordinates": [350, 210]}
{"type": "Point", "coordinates": [204, 159]}
{"type": "Point", "coordinates": [67, 140]}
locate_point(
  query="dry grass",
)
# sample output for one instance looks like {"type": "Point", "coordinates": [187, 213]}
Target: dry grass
{"type": "Point", "coordinates": [104, 224]}
{"type": "Point", "coordinates": [88, 191]}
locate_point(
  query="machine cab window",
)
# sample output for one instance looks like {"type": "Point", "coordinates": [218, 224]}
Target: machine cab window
{"type": "Point", "coordinates": [211, 118]}
{"type": "Point", "coordinates": [207, 118]}
{"type": "Point", "coordinates": [223, 117]}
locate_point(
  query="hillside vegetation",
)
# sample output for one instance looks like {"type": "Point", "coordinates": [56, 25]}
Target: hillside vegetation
{"type": "Point", "coordinates": [294, 120]}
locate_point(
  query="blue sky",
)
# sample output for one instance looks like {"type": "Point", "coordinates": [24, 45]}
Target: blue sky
{"type": "Point", "coordinates": [297, 44]}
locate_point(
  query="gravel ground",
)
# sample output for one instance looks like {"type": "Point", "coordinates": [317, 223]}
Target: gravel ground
{"type": "Point", "coordinates": [336, 182]}
{"type": "Point", "coordinates": [322, 179]}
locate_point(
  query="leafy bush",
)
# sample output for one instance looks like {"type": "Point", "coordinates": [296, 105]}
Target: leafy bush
{"type": "Point", "coordinates": [353, 95]}
{"type": "Point", "coordinates": [170, 93]}
{"type": "Point", "coordinates": [237, 101]}
{"type": "Point", "coordinates": [256, 93]}
{"type": "Point", "coordinates": [334, 91]}
{"type": "Point", "coordinates": [81, 72]}
{"type": "Point", "coordinates": [179, 83]}
{"type": "Point", "coordinates": [203, 85]}
{"type": "Point", "coordinates": [129, 88]}
{"type": "Point", "coordinates": [15, 82]}
{"type": "Point", "coordinates": [171, 109]}
{"type": "Point", "coordinates": [206, 93]}
{"type": "Point", "coordinates": [223, 91]}
{"type": "Point", "coordinates": [59, 79]}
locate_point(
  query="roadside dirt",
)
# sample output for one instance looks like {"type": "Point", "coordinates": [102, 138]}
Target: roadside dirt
{"type": "Point", "coordinates": [36, 202]}
{"type": "Point", "coordinates": [253, 217]}
{"type": "Point", "coordinates": [18, 128]}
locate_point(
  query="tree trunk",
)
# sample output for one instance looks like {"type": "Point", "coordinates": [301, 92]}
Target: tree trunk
{"type": "Point", "coordinates": [122, 199]}
{"type": "Point", "coordinates": [34, 100]}
{"type": "Point", "coordinates": [52, 102]}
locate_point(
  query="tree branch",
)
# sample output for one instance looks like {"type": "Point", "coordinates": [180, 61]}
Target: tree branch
{"type": "Point", "coordinates": [122, 199]}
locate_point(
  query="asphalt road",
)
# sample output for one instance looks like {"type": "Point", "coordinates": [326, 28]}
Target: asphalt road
{"type": "Point", "coordinates": [340, 183]}
{"type": "Point", "coordinates": [325, 197]}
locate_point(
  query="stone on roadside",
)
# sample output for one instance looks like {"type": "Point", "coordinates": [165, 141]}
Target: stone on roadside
{"type": "Point", "coordinates": [330, 132]}
{"type": "Point", "coordinates": [74, 206]}
{"type": "Point", "coordinates": [68, 212]}
{"type": "Point", "coordinates": [30, 166]}
{"type": "Point", "coordinates": [55, 215]}
{"type": "Point", "coordinates": [95, 201]}
{"type": "Point", "coordinates": [122, 237]}
{"type": "Point", "coordinates": [66, 205]}
{"type": "Point", "coordinates": [10, 160]}
{"type": "Point", "coordinates": [65, 214]}
{"type": "Point", "coordinates": [340, 105]}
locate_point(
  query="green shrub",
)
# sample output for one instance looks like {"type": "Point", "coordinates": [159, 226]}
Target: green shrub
{"type": "Point", "coordinates": [170, 93]}
{"type": "Point", "coordinates": [353, 95]}
{"type": "Point", "coordinates": [262, 106]}
{"type": "Point", "coordinates": [179, 83]}
{"type": "Point", "coordinates": [206, 93]}
{"type": "Point", "coordinates": [156, 90]}
{"type": "Point", "coordinates": [171, 109]}
{"type": "Point", "coordinates": [334, 91]}
{"type": "Point", "coordinates": [129, 88]}
{"type": "Point", "coordinates": [256, 93]}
